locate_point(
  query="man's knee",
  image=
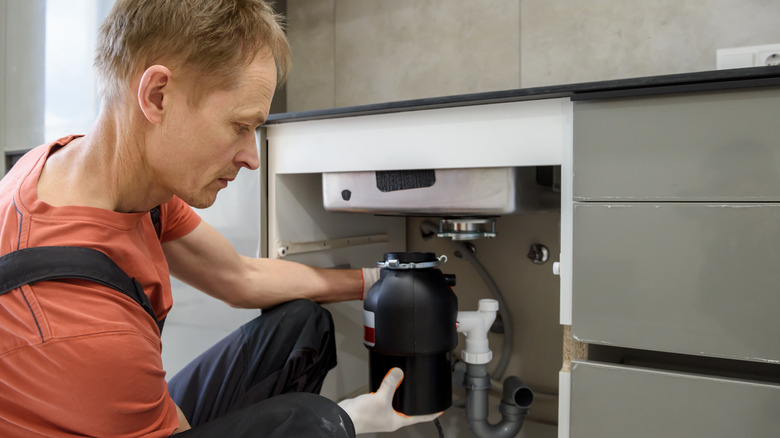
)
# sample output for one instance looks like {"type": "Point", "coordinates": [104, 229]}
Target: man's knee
{"type": "Point", "coordinates": [305, 310]}
{"type": "Point", "coordinates": [297, 313]}
{"type": "Point", "coordinates": [297, 324]}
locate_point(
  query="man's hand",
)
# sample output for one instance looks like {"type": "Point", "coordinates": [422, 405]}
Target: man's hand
{"type": "Point", "coordinates": [374, 412]}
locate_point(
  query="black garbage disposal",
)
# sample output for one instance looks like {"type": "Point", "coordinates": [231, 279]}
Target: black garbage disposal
{"type": "Point", "coordinates": [410, 318]}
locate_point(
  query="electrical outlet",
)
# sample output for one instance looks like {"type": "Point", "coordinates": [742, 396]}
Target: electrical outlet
{"type": "Point", "coordinates": [749, 56]}
{"type": "Point", "coordinates": [769, 57]}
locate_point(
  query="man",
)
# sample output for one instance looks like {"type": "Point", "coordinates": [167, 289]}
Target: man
{"type": "Point", "coordinates": [184, 85]}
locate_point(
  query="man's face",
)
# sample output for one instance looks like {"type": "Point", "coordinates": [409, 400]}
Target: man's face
{"type": "Point", "coordinates": [205, 146]}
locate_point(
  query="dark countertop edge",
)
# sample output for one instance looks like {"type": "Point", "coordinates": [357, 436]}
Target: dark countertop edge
{"type": "Point", "coordinates": [674, 83]}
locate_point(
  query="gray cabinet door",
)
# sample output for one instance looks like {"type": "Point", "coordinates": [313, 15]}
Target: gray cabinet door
{"type": "Point", "coordinates": [721, 146]}
{"type": "Point", "coordinates": [613, 401]}
{"type": "Point", "coordinates": [692, 278]}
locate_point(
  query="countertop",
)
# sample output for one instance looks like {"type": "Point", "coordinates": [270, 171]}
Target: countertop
{"type": "Point", "coordinates": [642, 86]}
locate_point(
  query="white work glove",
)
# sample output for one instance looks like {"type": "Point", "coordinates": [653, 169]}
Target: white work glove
{"type": "Point", "coordinates": [370, 276]}
{"type": "Point", "coordinates": [374, 412]}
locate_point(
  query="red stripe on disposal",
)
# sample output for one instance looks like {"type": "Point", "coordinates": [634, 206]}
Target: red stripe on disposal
{"type": "Point", "coordinates": [368, 334]}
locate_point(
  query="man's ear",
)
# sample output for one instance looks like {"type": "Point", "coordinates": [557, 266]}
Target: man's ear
{"type": "Point", "coordinates": [152, 92]}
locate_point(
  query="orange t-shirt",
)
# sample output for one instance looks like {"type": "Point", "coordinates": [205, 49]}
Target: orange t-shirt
{"type": "Point", "coordinates": [78, 358]}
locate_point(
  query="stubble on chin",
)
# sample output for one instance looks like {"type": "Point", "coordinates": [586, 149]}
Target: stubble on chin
{"type": "Point", "coordinates": [203, 199]}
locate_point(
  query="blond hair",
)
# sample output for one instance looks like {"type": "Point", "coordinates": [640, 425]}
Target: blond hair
{"type": "Point", "coordinates": [211, 39]}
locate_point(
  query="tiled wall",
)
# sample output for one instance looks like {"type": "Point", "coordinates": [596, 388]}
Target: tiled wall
{"type": "Point", "coordinates": [568, 41]}
{"type": "Point", "coordinates": [352, 52]}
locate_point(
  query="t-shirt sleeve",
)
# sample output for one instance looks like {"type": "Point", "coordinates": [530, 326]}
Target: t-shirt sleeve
{"type": "Point", "coordinates": [177, 219]}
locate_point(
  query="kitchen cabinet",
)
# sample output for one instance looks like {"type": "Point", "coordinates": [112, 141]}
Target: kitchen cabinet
{"type": "Point", "coordinates": [674, 250]}
{"type": "Point", "coordinates": [299, 152]}
{"type": "Point", "coordinates": [668, 236]}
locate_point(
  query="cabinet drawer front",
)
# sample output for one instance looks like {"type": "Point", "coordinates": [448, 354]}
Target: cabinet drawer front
{"type": "Point", "coordinates": [719, 146]}
{"type": "Point", "coordinates": [701, 279]}
{"type": "Point", "coordinates": [618, 401]}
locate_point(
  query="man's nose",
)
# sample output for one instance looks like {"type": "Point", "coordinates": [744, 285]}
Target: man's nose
{"type": "Point", "coordinates": [247, 156]}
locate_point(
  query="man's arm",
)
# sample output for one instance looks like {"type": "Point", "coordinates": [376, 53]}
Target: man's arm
{"type": "Point", "coordinates": [207, 261]}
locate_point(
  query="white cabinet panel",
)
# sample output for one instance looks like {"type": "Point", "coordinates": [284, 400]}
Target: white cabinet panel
{"type": "Point", "coordinates": [513, 134]}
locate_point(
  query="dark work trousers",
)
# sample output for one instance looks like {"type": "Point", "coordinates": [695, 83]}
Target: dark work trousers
{"type": "Point", "coordinates": [262, 380]}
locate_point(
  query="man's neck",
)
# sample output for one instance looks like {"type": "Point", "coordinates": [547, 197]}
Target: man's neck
{"type": "Point", "coordinates": [104, 169]}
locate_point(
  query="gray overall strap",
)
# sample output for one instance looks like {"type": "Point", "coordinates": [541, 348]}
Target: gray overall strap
{"type": "Point", "coordinates": [32, 265]}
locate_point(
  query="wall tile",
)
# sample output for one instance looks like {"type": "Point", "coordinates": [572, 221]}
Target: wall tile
{"type": "Point", "coordinates": [569, 41]}
{"type": "Point", "coordinates": [408, 49]}
{"type": "Point", "coordinates": [311, 31]}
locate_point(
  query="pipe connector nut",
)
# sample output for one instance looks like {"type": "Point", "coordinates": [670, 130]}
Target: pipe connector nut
{"type": "Point", "coordinates": [476, 358]}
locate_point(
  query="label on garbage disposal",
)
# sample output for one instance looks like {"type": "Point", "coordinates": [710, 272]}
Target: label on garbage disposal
{"type": "Point", "coordinates": [369, 324]}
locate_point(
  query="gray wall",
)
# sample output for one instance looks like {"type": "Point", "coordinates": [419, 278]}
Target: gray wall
{"type": "Point", "coordinates": [351, 52]}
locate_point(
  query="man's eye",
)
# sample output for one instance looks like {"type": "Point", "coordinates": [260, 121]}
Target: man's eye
{"type": "Point", "coordinates": [241, 129]}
